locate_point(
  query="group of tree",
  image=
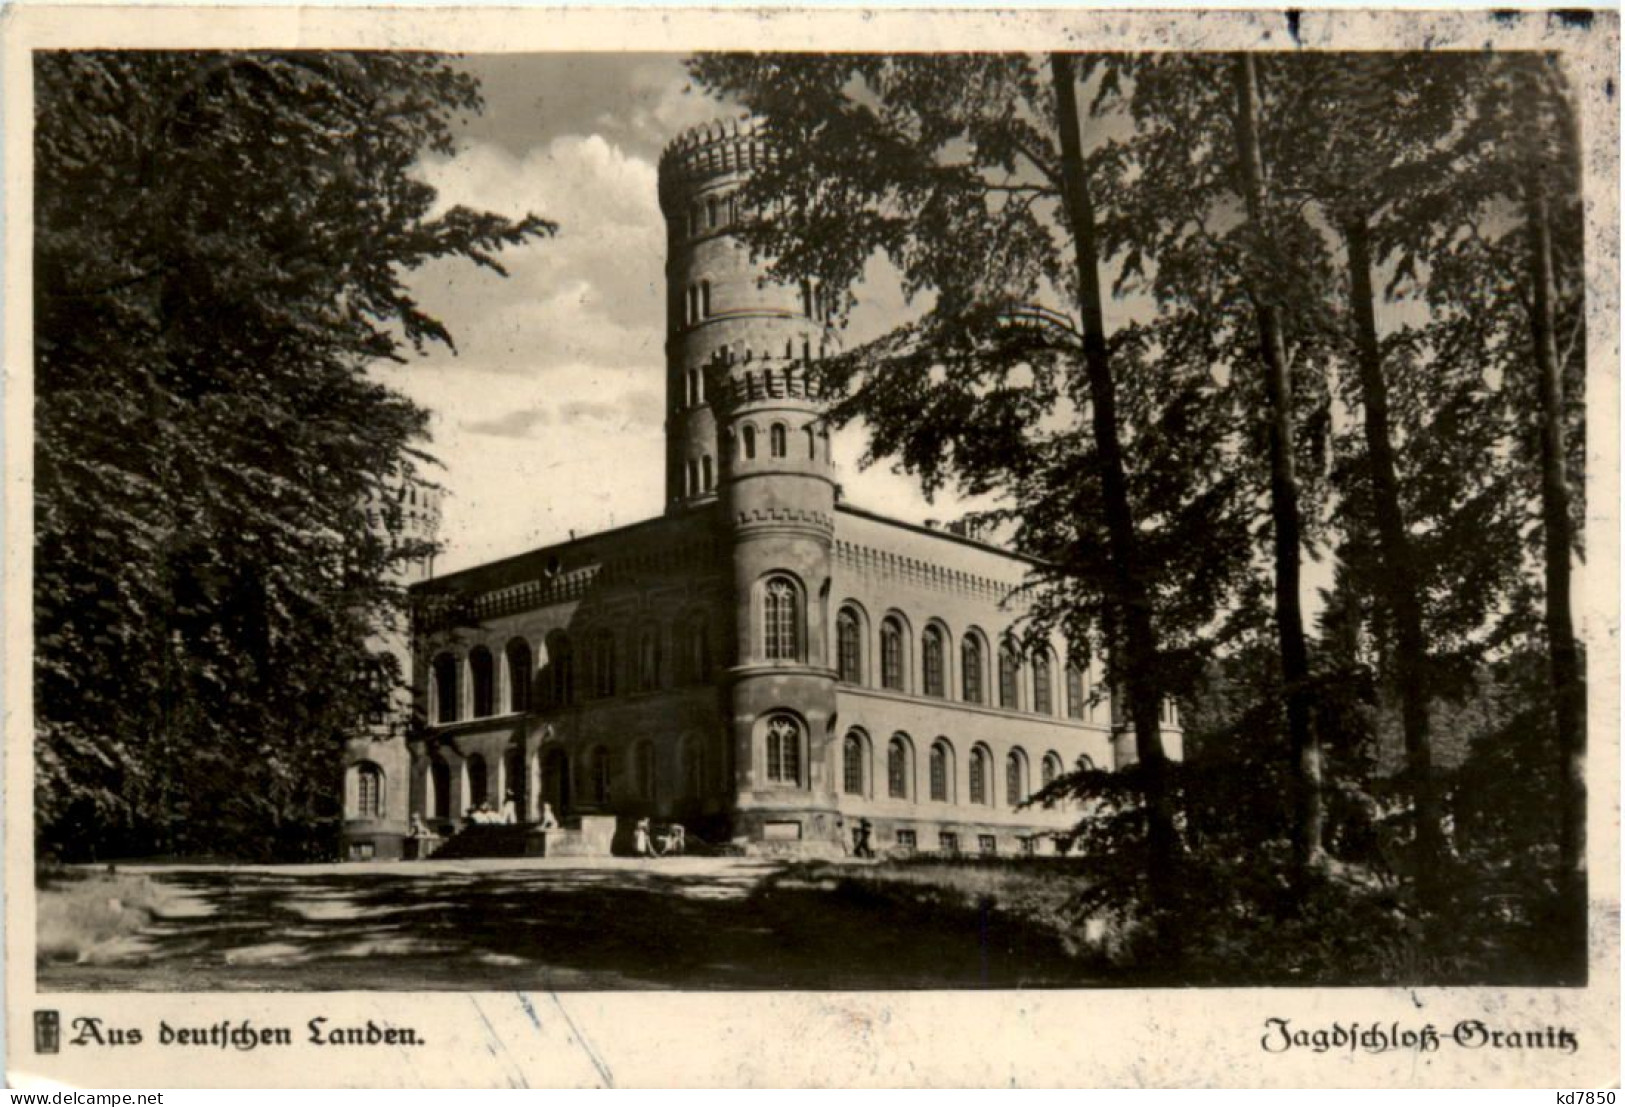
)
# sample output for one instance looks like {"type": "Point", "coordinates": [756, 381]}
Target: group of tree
{"type": "Point", "coordinates": [219, 253]}
{"type": "Point", "coordinates": [1191, 319]}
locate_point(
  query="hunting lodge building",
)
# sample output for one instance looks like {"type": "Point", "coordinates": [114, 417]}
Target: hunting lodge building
{"type": "Point", "coordinates": [764, 662]}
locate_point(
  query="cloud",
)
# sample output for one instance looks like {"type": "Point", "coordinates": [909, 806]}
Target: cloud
{"type": "Point", "coordinates": [638, 100]}
{"type": "Point", "coordinates": [592, 293]}
{"type": "Point", "coordinates": [640, 409]}
{"type": "Point", "coordinates": [515, 424]}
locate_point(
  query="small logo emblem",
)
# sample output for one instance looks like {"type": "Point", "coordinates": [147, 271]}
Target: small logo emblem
{"type": "Point", "coordinates": [47, 1031]}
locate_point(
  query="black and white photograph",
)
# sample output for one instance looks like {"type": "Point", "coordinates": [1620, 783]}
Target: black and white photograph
{"type": "Point", "coordinates": [1100, 514]}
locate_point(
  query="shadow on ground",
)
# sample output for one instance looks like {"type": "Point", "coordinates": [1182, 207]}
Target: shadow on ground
{"type": "Point", "coordinates": [737, 925]}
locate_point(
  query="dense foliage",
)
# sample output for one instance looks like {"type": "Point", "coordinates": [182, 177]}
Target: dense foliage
{"type": "Point", "coordinates": [1345, 322]}
{"type": "Point", "coordinates": [220, 241]}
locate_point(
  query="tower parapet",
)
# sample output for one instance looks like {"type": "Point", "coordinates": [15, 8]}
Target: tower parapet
{"type": "Point", "coordinates": [712, 149]}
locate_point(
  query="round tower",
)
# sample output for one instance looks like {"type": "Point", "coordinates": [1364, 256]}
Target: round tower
{"type": "Point", "coordinates": [719, 302]}
{"type": "Point", "coordinates": [745, 430]}
{"type": "Point", "coordinates": [377, 760]}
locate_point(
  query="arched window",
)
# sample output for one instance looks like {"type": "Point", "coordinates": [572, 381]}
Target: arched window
{"type": "Point", "coordinates": [931, 662]}
{"type": "Point", "coordinates": [783, 750]}
{"type": "Point", "coordinates": [708, 477]}
{"type": "Point", "coordinates": [777, 444]}
{"type": "Point", "coordinates": [445, 688]}
{"type": "Point", "coordinates": [711, 212]}
{"type": "Point", "coordinates": [852, 764]}
{"type": "Point", "coordinates": [693, 768]}
{"type": "Point", "coordinates": [440, 785]}
{"type": "Point", "coordinates": [369, 791]}
{"type": "Point", "coordinates": [697, 651]}
{"type": "Point", "coordinates": [479, 782]}
{"type": "Point", "coordinates": [560, 669]}
{"type": "Point", "coordinates": [513, 776]}
{"type": "Point", "coordinates": [556, 790]}
{"type": "Point", "coordinates": [643, 770]}
{"type": "Point", "coordinates": [481, 674]}
{"type": "Point", "coordinates": [749, 436]}
{"type": "Point", "coordinates": [891, 653]}
{"type": "Point", "coordinates": [1015, 778]}
{"type": "Point", "coordinates": [1051, 768]}
{"type": "Point", "coordinates": [780, 625]}
{"type": "Point", "coordinates": [812, 443]}
{"type": "Point", "coordinates": [897, 773]}
{"type": "Point", "coordinates": [1009, 666]}
{"type": "Point", "coordinates": [603, 664]}
{"type": "Point", "coordinates": [598, 776]}
{"type": "Point", "coordinates": [705, 296]}
{"type": "Point", "coordinates": [849, 646]}
{"type": "Point", "coordinates": [941, 772]}
{"type": "Point", "coordinates": [1074, 692]}
{"type": "Point", "coordinates": [519, 674]}
{"type": "Point", "coordinates": [970, 668]}
{"type": "Point", "coordinates": [649, 660]}
{"type": "Point", "coordinates": [1042, 703]}
{"type": "Point", "coordinates": [978, 776]}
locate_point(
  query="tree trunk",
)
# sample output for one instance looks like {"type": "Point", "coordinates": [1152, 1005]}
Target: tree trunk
{"type": "Point", "coordinates": [1399, 568]}
{"type": "Point", "coordinates": [1568, 681]}
{"type": "Point", "coordinates": [1139, 668]}
{"type": "Point", "coordinates": [1283, 501]}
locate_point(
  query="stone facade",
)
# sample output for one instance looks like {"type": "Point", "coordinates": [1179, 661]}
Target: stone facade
{"type": "Point", "coordinates": [764, 663]}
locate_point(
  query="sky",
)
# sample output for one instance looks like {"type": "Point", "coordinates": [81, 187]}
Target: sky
{"type": "Point", "coordinates": [548, 417]}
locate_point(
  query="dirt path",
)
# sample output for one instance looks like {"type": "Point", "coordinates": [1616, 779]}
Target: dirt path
{"type": "Point", "coordinates": [547, 925]}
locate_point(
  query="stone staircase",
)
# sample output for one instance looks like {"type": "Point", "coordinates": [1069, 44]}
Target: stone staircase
{"type": "Point", "coordinates": [484, 840]}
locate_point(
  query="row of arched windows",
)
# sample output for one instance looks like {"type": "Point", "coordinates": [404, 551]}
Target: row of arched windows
{"type": "Point", "coordinates": [699, 302]}
{"type": "Point", "coordinates": [482, 681]}
{"type": "Point", "coordinates": [701, 476]}
{"type": "Point", "coordinates": [813, 303]}
{"type": "Point", "coordinates": [558, 684]}
{"type": "Point", "coordinates": [591, 782]}
{"type": "Point", "coordinates": [641, 777]}
{"type": "Point", "coordinates": [941, 775]}
{"type": "Point", "coordinates": [935, 672]}
{"type": "Point", "coordinates": [712, 213]}
{"type": "Point", "coordinates": [778, 442]}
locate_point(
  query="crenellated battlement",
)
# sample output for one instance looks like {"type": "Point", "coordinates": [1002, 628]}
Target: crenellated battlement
{"type": "Point", "coordinates": [713, 150]}
{"type": "Point", "coordinates": [733, 387]}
